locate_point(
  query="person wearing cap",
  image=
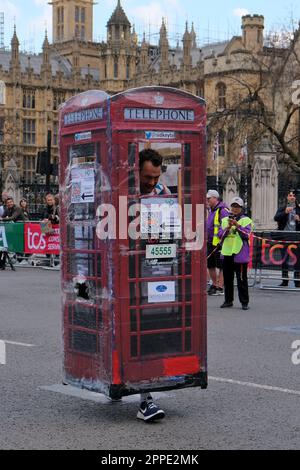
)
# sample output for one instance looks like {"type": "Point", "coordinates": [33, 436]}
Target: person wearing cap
{"type": "Point", "coordinates": [236, 229]}
{"type": "Point", "coordinates": [217, 211]}
{"type": "Point", "coordinates": [288, 220]}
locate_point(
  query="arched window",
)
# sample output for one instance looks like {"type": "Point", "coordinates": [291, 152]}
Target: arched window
{"type": "Point", "coordinates": [221, 95]}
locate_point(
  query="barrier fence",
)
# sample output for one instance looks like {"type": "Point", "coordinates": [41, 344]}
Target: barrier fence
{"type": "Point", "coordinates": [29, 238]}
{"type": "Point", "coordinates": [275, 255]}
{"type": "Point", "coordinates": [275, 259]}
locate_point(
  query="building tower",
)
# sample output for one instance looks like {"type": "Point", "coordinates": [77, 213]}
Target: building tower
{"type": "Point", "coordinates": [164, 47]}
{"type": "Point", "coordinates": [187, 46]}
{"type": "Point", "coordinates": [72, 19]}
{"type": "Point", "coordinates": [253, 32]}
{"type": "Point", "coordinates": [118, 62]}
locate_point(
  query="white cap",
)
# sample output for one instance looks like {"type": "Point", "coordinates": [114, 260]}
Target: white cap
{"type": "Point", "coordinates": [237, 200]}
{"type": "Point", "coordinates": [213, 193]}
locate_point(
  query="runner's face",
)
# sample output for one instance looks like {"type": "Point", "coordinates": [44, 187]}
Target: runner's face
{"type": "Point", "coordinates": [149, 176]}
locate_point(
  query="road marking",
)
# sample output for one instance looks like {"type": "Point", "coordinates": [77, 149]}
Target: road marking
{"type": "Point", "coordinates": [254, 385]}
{"type": "Point", "coordinates": [2, 353]}
{"type": "Point", "coordinates": [26, 345]}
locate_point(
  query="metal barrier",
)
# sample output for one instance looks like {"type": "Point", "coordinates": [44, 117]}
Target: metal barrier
{"type": "Point", "coordinates": [28, 245]}
{"type": "Point", "coordinates": [276, 259]}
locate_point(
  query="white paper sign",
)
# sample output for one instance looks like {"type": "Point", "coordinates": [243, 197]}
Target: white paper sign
{"type": "Point", "coordinates": [163, 291]}
{"type": "Point", "coordinates": [83, 185]}
{"type": "Point", "coordinates": [160, 216]}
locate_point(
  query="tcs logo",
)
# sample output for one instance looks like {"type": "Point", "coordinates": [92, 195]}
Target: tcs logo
{"type": "Point", "coordinates": [35, 239]}
{"type": "Point", "coordinates": [279, 253]}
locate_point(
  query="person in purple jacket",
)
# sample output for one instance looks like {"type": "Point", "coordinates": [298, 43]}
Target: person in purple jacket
{"type": "Point", "coordinates": [236, 229]}
{"type": "Point", "coordinates": [217, 210]}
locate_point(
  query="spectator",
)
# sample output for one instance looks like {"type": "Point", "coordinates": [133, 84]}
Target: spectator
{"type": "Point", "coordinates": [3, 203]}
{"type": "Point", "coordinates": [236, 230]}
{"type": "Point", "coordinates": [217, 211]}
{"type": "Point", "coordinates": [51, 212]}
{"type": "Point", "coordinates": [24, 209]}
{"type": "Point", "coordinates": [288, 219]}
{"type": "Point", "coordinates": [12, 213]}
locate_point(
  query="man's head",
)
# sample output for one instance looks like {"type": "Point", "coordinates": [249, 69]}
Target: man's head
{"type": "Point", "coordinates": [10, 203]}
{"type": "Point", "coordinates": [50, 201]}
{"type": "Point", "coordinates": [291, 197]}
{"type": "Point", "coordinates": [150, 163]}
{"type": "Point", "coordinates": [212, 197]}
{"type": "Point", "coordinates": [236, 205]}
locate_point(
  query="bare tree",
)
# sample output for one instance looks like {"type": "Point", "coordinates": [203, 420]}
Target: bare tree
{"type": "Point", "coordinates": [265, 96]}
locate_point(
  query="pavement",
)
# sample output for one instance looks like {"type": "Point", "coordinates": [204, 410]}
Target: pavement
{"type": "Point", "coordinates": [252, 400]}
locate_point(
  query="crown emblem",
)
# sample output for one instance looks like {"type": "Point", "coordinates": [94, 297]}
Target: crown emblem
{"type": "Point", "coordinates": [84, 101]}
{"type": "Point", "coordinates": [159, 99]}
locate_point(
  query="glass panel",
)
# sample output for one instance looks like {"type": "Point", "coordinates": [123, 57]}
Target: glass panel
{"type": "Point", "coordinates": [171, 163]}
{"type": "Point", "coordinates": [85, 316]}
{"type": "Point", "coordinates": [161, 318]}
{"type": "Point", "coordinates": [133, 346]}
{"type": "Point", "coordinates": [83, 342]}
{"type": "Point", "coordinates": [187, 155]}
{"type": "Point", "coordinates": [131, 154]}
{"type": "Point", "coordinates": [161, 343]}
{"type": "Point", "coordinates": [187, 181]}
{"type": "Point", "coordinates": [81, 237]}
{"type": "Point", "coordinates": [132, 273]}
{"type": "Point", "coordinates": [188, 341]}
{"type": "Point", "coordinates": [188, 290]}
{"type": "Point", "coordinates": [133, 299]}
{"type": "Point", "coordinates": [81, 264]}
{"type": "Point", "coordinates": [133, 321]}
{"type": "Point", "coordinates": [188, 315]}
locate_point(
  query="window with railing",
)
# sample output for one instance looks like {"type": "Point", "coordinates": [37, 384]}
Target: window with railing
{"type": "Point", "coordinates": [29, 131]}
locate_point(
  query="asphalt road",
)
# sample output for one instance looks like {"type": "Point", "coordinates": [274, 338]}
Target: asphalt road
{"type": "Point", "coordinates": [252, 401]}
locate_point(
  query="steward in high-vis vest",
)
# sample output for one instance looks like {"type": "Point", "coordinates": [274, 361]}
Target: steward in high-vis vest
{"type": "Point", "coordinates": [236, 228]}
{"type": "Point", "coordinates": [217, 211]}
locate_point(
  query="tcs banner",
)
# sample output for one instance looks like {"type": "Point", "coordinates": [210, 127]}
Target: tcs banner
{"type": "Point", "coordinates": [37, 242]}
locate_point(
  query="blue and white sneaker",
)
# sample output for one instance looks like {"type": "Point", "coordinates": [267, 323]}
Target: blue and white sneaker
{"type": "Point", "coordinates": [150, 412]}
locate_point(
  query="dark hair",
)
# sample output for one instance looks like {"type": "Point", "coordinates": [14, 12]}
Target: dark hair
{"type": "Point", "coordinates": [9, 198]}
{"type": "Point", "coordinates": [149, 155]}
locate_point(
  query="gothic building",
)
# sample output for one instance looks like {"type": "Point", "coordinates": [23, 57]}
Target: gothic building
{"type": "Point", "coordinates": [33, 86]}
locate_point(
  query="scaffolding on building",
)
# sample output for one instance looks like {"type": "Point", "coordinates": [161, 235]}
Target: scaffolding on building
{"type": "Point", "coordinates": [1, 30]}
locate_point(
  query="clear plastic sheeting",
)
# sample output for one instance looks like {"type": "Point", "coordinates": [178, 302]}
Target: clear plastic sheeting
{"type": "Point", "coordinates": [133, 245]}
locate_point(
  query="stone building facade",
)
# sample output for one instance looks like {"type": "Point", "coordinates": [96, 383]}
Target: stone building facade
{"type": "Point", "coordinates": [33, 86]}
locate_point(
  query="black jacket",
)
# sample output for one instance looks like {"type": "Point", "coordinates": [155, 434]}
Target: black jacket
{"type": "Point", "coordinates": [282, 218]}
{"type": "Point", "coordinates": [13, 214]}
{"type": "Point", "coordinates": [52, 213]}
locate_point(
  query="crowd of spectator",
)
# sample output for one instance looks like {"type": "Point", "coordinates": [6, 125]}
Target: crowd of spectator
{"type": "Point", "coordinates": [10, 212]}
